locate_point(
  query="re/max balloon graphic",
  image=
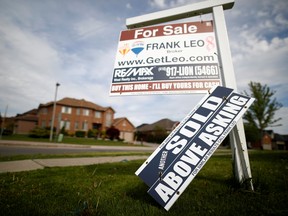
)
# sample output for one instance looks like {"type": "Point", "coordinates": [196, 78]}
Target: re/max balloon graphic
{"type": "Point", "coordinates": [137, 47]}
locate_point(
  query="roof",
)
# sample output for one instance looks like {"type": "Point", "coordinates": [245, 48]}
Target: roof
{"type": "Point", "coordinates": [81, 103]}
{"type": "Point", "coordinates": [119, 120]}
{"type": "Point", "coordinates": [166, 124]}
{"type": "Point", "coordinates": [278, 137]}
{"type": "Point", "coordinates": [30, 115]}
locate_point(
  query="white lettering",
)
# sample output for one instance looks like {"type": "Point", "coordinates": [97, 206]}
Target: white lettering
{"type": "Point", "coordinates": [172, 180]}
{"type": "Point", "coordinates": [190, 128]}
{"type": "Point", "coordinates": [176, 145]}
{"type": "Point", "coordinates": [164, 192]}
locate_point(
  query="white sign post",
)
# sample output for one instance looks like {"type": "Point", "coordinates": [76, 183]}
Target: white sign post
{"type": "Point", "coordinates": [237, 136]}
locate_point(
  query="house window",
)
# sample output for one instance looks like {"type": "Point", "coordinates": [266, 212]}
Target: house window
{"type": "Point", "coordinates": [108, 119]}
{"type": "Point", "coordinates": [85, 126]}
{"type": "Point", "coordinates": [78, 111]}
{"type": "Point", "coordinates": [97, 114]}
{"type": "Point", "coordinates": [43, 124]}
{"type": "Point", "coordinates": [44, 111]}
{"type": "Point", "coordinates": [67, 110]}
{"type": "Point", "coordinates": [76, 126]}
{"type": "Point", "coordinates": [86, 112]}
{"type": "Point", "coordinates": [65, 124]}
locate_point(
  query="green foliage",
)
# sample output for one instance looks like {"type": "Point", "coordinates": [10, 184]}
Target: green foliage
{"type": "Point", "coordinates": [80, 133]}
{"type": "Point", "coordinates": [39, 132]}
{"type": "Point", "coordinates": [113, 189]}
{"type": "Point", "coordinates": [252, 133]}
{"type": "Point", "coordinates": [112, 133]}
{"type": "Point", "coordinates": [261, 113]}
{"type": "Point", "coordinates": [92, 133]}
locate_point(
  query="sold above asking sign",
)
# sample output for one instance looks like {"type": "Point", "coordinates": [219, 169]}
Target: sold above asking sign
{"type": "Point", "coordinates": [175, 163]}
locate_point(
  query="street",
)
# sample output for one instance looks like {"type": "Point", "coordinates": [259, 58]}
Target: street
{"type": "Point", "coordinates": [25, 150]}
{"type": "Point", "coordinates": [9, 148]}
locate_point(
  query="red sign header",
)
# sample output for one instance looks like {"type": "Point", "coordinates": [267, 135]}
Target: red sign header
{"type": "Point", "coordinates": [167, 30]}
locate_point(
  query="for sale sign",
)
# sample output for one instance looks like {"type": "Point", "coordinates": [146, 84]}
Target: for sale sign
{"type": "Point", "coordinates": [175, 58]}
{"type": "Point", "coordinates": [172, 166]}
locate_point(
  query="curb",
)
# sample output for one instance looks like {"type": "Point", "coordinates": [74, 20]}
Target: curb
{"type": "Point", "coordinates": [40, 144]}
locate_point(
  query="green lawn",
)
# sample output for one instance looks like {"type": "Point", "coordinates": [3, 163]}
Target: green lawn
{"type": "Point", "coordinates": [69, 155]}
{"type": "Point", "coordinates": [113, 189]}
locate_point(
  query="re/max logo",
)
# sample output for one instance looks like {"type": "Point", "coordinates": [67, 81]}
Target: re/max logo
{"type": "Point", "coordinates": [127, 72]}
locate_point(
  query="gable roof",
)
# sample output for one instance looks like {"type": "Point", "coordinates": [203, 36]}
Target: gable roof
{"type": "Point", "coordinates": [30, 115]}
{"type": "Point", "coordinates": [82, 103]}
{"type": "Point", "coordinates": [166, 124]}
{"type": "Point", "coordinates": [119, 120]}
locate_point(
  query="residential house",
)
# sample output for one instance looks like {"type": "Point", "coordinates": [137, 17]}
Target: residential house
{"type": "Point", "coordinates": [25, 122]}
{"type": "Point", "coordinates": [274, 141]}
{"type": "Point", "coordinates": [126, 129]}
{"type": "Point", "coordinates": [72, 115]}
{"type": "Point", "coordinates": [166, 124]}
{"type": "Point", "coordinates": [75, 115]}
{"type": "Point", "coordinates": [155, 132]}
{"type": "Point", "coordinates": [270, 141]}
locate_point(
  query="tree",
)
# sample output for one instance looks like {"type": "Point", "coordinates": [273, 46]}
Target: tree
{"type": "Point", "coordinates": [261, 113]}
{"type": "Point", "coordinates": [113, 133]}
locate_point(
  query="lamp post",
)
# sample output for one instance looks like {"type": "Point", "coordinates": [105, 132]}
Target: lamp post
{"type": "Point", "coordinates": [53, 114]}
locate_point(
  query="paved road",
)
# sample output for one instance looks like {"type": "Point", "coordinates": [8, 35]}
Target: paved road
{"type": "Point", "coordinates": [8, 148]}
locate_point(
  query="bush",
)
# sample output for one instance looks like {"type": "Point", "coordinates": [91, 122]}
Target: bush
{"type": "Point", "coordinates": [7, 132]}
{"type": "Point", "coordinates": [39, 132]}
{"type": "Point", "coordinates": [80, 133]}
{"type": "Point", "coordinates": [113, 133]}
{"type": "Point", "coordinates": [92, 133]}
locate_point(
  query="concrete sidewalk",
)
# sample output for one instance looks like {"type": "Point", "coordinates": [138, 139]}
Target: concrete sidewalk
{"type": "Point", "coordinates": [35, 164]}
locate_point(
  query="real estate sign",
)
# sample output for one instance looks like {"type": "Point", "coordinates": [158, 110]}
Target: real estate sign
{"type": "Point", "coordinates": [175, 58]}
{"type": "Point", "coordinates": [175, 163]}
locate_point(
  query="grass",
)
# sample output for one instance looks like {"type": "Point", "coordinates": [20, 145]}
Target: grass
{"type": "Point", "coordinates": [70, 155]}
{"type": "Point", "coordinates": [113, 189]}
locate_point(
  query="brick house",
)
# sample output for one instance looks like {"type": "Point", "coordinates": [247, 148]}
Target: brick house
{"type": "Point", "coordinates": [75, 115]}
{"type": "Point", "coordinates": [25, 122]}
{"type": "Point", "coordinates": [126, 129]}
{"type": "Point", "coordinates": [72, 114]}
{"type": "Point", "coordinates": [155, 132]}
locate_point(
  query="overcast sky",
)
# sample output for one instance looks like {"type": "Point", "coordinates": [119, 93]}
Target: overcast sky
{"type": "Point", "coordinates": [74, 42]}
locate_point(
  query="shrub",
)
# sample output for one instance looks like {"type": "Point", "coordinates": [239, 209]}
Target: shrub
{"type": "Point", "coordinates": [113, 133]}
{"type": "Point", "coordinates": [39, 132]}
{"type": "Point", "coordinates": [80, 133]}
{"type": "Point", "coordinates": [92, 133]}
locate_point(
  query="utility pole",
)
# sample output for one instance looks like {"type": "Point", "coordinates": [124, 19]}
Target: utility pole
{"type": "Point", "coordinates": [53, 114]}
{"type": "Point", "coordinates": [3, 122]}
